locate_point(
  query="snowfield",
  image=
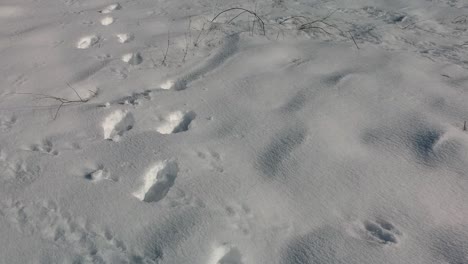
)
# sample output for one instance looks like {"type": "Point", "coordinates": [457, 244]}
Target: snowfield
{"type": "Point", "coordinates": [144, 131]}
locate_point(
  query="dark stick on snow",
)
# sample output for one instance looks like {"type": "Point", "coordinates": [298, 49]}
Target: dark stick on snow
{"type": "Point", "coordinates": [352, 37]}
{"type": "Point", "coordinates": [167, 48]}
{"type": "Point", "coordinates": [260, 21]}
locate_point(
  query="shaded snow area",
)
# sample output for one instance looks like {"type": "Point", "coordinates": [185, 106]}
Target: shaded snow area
{"type": "Point", "coordinates": [286, 132]}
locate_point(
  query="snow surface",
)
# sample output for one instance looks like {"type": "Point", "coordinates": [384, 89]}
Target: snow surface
{"type": "Point", "coordinates": [140, 131]}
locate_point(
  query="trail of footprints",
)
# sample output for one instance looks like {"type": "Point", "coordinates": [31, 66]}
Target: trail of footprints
{"type": "Point", "coordinates": [89, 41]}
{"type": "Point", "coordinates": [56, 226]}
{"type": "Point", "coordinates": [48, 221]}
{"type": "Point", "coordinates": [161, 176]}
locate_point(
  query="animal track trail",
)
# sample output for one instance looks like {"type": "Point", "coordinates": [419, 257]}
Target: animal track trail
{"type": "Point", "coordinates": [158, 181]}
{"type": "Point", "coordinates": [176, 122]}
{"type": "Point", "coordinates": [48, 221]}
{"type": "Point", "coordinates": [117, 124]}
{"type": "Point", "coordinates": [226, 254]}
{"type": "Point", "coordinates": [135, 98]}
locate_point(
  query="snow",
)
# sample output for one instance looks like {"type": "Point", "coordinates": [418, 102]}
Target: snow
{"type": "Point", "coordinates": [144, 132]}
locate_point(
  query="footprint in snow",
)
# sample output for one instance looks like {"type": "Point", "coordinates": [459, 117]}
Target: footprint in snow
{"type": "Point", "coordinates": [226, 254]}
{"type": "Point", "coordinates": [87, 42]}
{"type": "Point", "coordinates": [132, 58]}
{"type": "Point", "coordinates": [99, 174]}
{"type": "Point", "coordinates": [116, 124]}
{"type": "Point", "coordinates": [158, 181]}
{"type": "Point", "coordinates": [176, 122]}
{"type": "Point", "coordinates": [106, 21]}
{"type": "Point", "coordinates": [111, 8]}
{"type": "Point", "coordinates": [124, 37]}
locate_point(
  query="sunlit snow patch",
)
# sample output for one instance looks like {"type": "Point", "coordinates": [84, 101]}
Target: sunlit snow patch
{"type": "Point", "coordinates": [107, 21]}
{"type": "Point", "coordinates": [226, 254]}
{"type": "Point", "coordinates": [167, 85]}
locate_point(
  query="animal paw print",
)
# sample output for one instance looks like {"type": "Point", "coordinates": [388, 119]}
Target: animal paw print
{"type": "Point", "coordinates": [179, 198]}
{"type": "Point", "coordinates": [45, 147]}
{"type": "Point", "coordinates": [381, 231]}
{"type": "Point", "coordinates": [20, 80]}
{"type": "Point", "coordinates": [212, 159]}
{"type": "Point", "coordinates": [99, 174]}
{"type": "Point", "coordinates": [52, 223]}
{"type": "Point", "coordinates": [240, 217]}
{"type": "Point", "coordinates": [136, 98]}
{"type": "Point", "coordinates": [16, 172]}
{"type": "Point", "coordinates": [6, 123]}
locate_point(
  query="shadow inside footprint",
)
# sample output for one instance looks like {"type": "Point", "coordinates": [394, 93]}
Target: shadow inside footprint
{"type": "Point", "coordinates": [380, 233]}
{"type": "Point", "coordinates": [185, 122]}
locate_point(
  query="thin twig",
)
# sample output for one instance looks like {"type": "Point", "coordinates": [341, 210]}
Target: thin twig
{"type": "Point", "coordinates": [63, 101]}
{"type": "Point", "coordinates": [74, 91]}
{"type": "Point", "coordinates": [195, 43]}
{"type": "Point", "coordinates": [304, 26]}
{"type": "Point", "coordinates": [262, 24]}
{"type": "Point", "coordinates": [167, 49]}
{"type": "Point", "coordinates": [187, 40]}
{"type": "Point", "coordinates": [352, 37]}
{"type": "Point", "coordinates": [292, 17]}
{"type": "Point", "coordinates": [232, 19]}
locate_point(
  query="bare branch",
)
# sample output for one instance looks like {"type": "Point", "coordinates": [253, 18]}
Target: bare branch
{"type": "Point", "coordinates": [167, 49]}
{"type": "Point", "coordinates": [262, 24]}
{"type": "Point", "coordinates": [352, 37]}
{"type": "Point", "coordinates": [63, 101]}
